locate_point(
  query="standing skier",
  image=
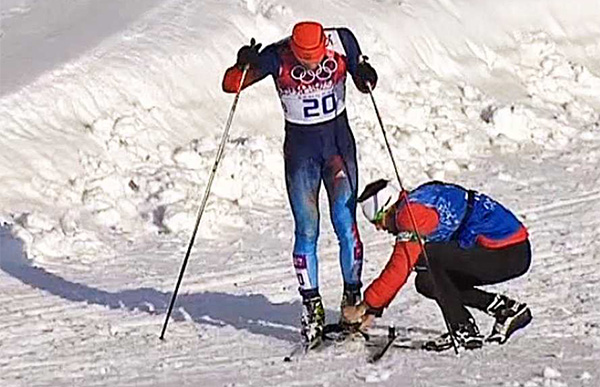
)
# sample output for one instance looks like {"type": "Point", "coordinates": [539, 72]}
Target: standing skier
{"type": "Point", "coordinates": [309, 69]}
{"type": "Point", "coordinates": [470, 240]}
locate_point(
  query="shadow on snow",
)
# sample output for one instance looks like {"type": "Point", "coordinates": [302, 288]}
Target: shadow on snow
{"type": "Point", "coordinates": [253, 313]}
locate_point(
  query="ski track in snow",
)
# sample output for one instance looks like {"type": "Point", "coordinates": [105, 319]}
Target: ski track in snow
{"type": "Point", "coordinates": [105, 157]}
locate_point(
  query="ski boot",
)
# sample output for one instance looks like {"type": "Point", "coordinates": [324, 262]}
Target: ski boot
{"type": "Point", "coordinates": [467, 336]}
{"type": "Point", "coordinates": [350, 297]}
{"type": "Point", "coordinates": [313, 319]}
{"type": "Point", "coordinates": [510, 316]}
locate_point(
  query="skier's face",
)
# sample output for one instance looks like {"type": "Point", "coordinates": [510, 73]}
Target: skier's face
{"type": "Point", "coordinates": [311, 65]}
{"type": "Point", "coordinates": [388, 221]}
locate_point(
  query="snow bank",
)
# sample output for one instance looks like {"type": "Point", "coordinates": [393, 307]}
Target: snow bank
{"type": "Point", "coordinates": [117, 135]}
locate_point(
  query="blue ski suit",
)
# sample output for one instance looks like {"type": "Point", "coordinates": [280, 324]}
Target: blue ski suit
{"type": "Point", "coordinates": [319, 147]}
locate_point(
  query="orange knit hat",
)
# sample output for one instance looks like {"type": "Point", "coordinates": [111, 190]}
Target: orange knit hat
{"type": "Point", "coordinates": [308, 41]}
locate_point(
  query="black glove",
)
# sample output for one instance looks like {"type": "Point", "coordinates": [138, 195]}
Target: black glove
{"type": "Point", "coordinates": [248, 55]}
{"type": "Point", "coordinates": [366, 74]}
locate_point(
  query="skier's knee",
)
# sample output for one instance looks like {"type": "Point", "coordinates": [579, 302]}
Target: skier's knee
{"type": "Point", "coordinates": [424, 285]}
{"type": "Point", "coordinates": [307, 235]}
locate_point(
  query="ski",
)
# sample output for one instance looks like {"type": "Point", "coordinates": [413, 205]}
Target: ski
{"type": "Point", "coordinates": [390, 340]}
{"type": "Point", "coordinates": [382, 342]}
{"type": "Point", "coordinates": [410, 344]}
{"type": "Point", "coordinates": [333, 335]}
{"type": "Point", "coordinates": [339, 333]}
{"type": "Point", "coordinates": [336, 335]}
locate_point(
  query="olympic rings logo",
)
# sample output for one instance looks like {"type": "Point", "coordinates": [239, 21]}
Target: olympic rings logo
{"type": "Point", "coordinates": [323, 72]}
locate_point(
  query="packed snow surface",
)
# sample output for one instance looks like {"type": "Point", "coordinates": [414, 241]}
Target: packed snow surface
{"type": "Point", "coordinates": [110, 119]}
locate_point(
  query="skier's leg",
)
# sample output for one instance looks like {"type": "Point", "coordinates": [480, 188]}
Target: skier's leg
{"type": "Point", "coordinates": [340, 177]}
{"type": "Point", "coordinates": [481, 266]}
{"type": "Point", "coordinates": [470, 296]}
{"type": "Point", "coordinates": [424, 285]}
{"type": "Point", "coordinates": [303, 179]}
{"type": "Point", "coordinates": [438, 283]}
{"type": "Point", "coordinates": [342, 206]}
{"type": "Point", "coordinates": [455, 272]}
{"type": "Point", "coordinates": [486, 266]}
{"type": "Point", "coordinates": [473, 267]}
{"type": "Point", "coordinates": [499, 306]}
{"type": "Point", "coordinates": [447, 292]}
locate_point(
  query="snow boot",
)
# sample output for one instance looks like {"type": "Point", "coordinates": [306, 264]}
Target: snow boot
{"type": "Point", "coordinates": [510, 316]}
{"type": "Point", "coordinates": [467, 336]}
{"type": "Point", "coordinates": [313, 320]}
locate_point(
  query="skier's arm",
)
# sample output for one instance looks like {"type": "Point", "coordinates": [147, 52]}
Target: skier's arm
{"type": "Point", "coordinates": [406, 254]}
{"type": "Point", "coordinates": [359, 69]}
{"type": "Point", "coordinates": [383, 290]}
{"type": "Point", "coordinates": [266, 63]}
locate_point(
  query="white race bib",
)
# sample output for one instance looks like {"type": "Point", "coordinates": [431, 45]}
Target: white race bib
{"type": "Point", "coordinates": [314, 96]}
{"type": "Point", "coordinates": [314, 107]}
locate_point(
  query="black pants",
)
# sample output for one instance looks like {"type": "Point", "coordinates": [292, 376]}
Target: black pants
{"type": "Point", "coordinates": [457, 271]}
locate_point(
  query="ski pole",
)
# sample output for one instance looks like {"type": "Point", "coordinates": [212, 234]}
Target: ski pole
{"type": "Point", "coordinates": [410, 213]}
{"type": "Point", "coordinates": [204, 199]}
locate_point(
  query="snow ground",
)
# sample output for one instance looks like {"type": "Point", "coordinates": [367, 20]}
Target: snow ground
{"type": "Point", "coordinates": [110, 118]}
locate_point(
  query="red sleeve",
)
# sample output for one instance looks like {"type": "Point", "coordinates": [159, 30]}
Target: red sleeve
{"type": "Point", "coordinates": [383, 290]}
{"type": "Point", "coordinates": [233, 76]}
